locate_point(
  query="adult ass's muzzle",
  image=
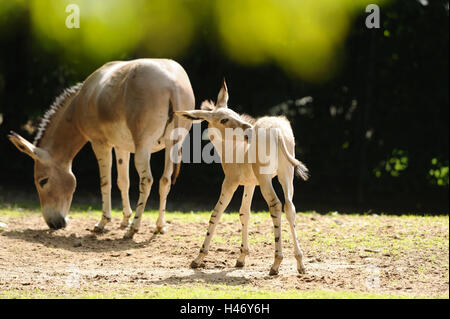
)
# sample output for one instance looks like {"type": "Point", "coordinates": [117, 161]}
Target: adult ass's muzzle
{"type": "Point", "coordinates": [56, 221]}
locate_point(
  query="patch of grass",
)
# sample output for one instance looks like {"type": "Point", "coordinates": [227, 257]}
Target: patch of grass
{"type": "Point", "coordinates": [197, 292]}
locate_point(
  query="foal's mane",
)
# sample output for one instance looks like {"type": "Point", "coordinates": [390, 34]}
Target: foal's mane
{"type": "Point", "coordinates": [55, 107]}
{"type": "Point", "coordinates": [249, 119]}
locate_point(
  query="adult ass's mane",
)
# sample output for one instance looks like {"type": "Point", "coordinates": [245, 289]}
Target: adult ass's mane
{"type": "Point", "coordinates": [55, 107]}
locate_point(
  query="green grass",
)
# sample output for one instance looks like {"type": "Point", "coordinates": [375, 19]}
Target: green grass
{"type": "Point", "coordinates": [198, 292]}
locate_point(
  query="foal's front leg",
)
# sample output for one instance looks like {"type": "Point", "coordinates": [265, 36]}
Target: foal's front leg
{"type": "Point", "coordinates": [228, 189]}
{"type": "Point", "coordinates": [104, 159]}
{"type": "Point", "coordinates": [244, 216]}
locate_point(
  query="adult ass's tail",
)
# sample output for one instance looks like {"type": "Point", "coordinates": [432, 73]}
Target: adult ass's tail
{"type": "Point", "coordinates": [300, 169]}
{"type": "Point", "coordinates": [174, 106]}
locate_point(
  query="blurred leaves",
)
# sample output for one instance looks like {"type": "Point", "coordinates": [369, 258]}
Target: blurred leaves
{"type": "Point", "coordinates": [304, 37]}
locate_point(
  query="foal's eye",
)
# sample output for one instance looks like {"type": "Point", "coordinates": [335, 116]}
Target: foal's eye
{"type": "Point", "coordinates": [42, 182]}
{"type": "Point", "coordinates": [223, 121]}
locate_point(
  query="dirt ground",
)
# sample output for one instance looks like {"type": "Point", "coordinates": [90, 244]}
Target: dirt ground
{"type": "Point", "coordinates": [381, 254]}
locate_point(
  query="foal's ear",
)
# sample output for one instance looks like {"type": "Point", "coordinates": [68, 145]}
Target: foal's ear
{"type": "Point", "coordinates": [195, 115]}
{"type": "Point", "coordinates": [24, 146]}
{"type": "Point", "coordinates": [222, 98]}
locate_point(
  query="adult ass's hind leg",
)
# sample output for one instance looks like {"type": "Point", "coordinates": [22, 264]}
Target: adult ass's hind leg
{"type": "Point", "coordinates": [265, 183]}
{"type": "Point", "coordinates": [164, 188]}
{"type": "Point", "coordinates": [228, 189]}
{"type": "Point", "coordinates": [142, 163]}
{"type": "Point", "coordinates": [123, 182]}
{"type": "Point", "coordinates": [244, 215]}
{"type": "Point", "coordinates": [103, 153]}
{"type": "Point", "coordinates": [286, 177]}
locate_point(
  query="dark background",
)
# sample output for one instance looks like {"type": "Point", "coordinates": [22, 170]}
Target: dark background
{"type": "Point", "coordinates": [374, 136]}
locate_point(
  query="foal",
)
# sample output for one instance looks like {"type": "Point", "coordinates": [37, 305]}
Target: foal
{"type": "Point", "coordinates": [250, 172]}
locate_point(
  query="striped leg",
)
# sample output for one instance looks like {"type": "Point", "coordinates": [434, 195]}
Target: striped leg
{"type": "Point", "coordinates": [244, 215]}
{"type": "Point", "coordinates": [265, 182]}
{"type": "Point", "coordinates": [228, 189]}
{"type": "Point", "coordinates": [164, 188]}
{"type": "Point", "coordinates": [142, 163]}
{"type": "Point", "coordinates": [123, 182]}
{"type": "Point", "coordinates": [104, 159]}
{"type": "Point", "coordinates": [286, 181]}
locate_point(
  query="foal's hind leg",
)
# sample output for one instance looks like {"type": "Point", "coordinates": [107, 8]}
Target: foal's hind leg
{"type": "Point", "coordinates": [244, 215]}
{"type": "Point", "coordinates": [123, 182]}
{"type": "Point", "coordinates": [265, 183]}
{"type": "Point", "coordinates": [104, 159]}
{"type": "Point", "coordinates": [286, 176]}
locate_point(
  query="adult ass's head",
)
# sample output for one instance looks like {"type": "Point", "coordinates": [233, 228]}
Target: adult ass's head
{"type": "Point", "coordinates": [219, 116]}
{"type": "Point", "coordinates": [55, 183]}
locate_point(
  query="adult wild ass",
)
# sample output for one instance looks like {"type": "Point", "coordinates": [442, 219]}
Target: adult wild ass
{"type": "Point", "coordinates": [250, 172]}
{"type": "Point", "coordinates": [125, 105]}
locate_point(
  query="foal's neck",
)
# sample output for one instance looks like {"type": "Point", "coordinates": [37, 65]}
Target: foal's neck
{"type": "Point", "coordinates": [62, 138]}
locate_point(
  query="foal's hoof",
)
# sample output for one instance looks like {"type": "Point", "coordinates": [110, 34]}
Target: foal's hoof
{"type": "Point", "coordinates": [194, 264]}
{"type": "Point", "coordinates": [273, 272]}
{"type": "Point", "coordinates": [302, 270]}
{"type": "Point", "coordinates": [124, 225]}
{"type": "Point", "coordinates": [240, 264]}
{"type": "Point", "coordinates": [160, 230]}
{"type": "Point", "coordinates": [130, 233]}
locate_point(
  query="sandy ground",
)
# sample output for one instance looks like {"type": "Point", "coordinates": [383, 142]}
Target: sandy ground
{"type": "Point", "coordinates": [32, 257]}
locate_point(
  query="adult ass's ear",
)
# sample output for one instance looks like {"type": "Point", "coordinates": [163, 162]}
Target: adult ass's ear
{"type": "Point", "coordinates": [194, 115]}
{"type": "Point", "coordinates": [222, 98]}
{"type": "Point", "coordinates": [28, 148]}
{"type": "Point", "coordinates": [207, 105]}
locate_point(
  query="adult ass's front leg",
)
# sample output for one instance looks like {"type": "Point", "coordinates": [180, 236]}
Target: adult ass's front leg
{"type": "Point", "coordinates": [123, 182]}
{"type": "Point", "coordinates": [244, 215]}
{"type": "Point", "coordinates": [228, 189]}
{"type": "Point", "coordinates": [265, 183]}
{"type": "Point", "coordinates": [142, 163]}
{"type": "Point", "coordinates": [103, 154]}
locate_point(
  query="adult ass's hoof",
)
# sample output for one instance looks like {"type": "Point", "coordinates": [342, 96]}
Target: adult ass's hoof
{"type": "Point", "coordinates": [273, 272]}
{"type": "Point", "coordinates": [240, 264]}
{"type": "Point", "coordinates": [160, 230]}
{"type": "Point", "coordinates": [130, 233]}
{"type": "Point", "coordinates": [195, 264]}
{"type": "Point", "coordinates": [302, 270]}
{"type": "Point", "coordinates": [98, 230]}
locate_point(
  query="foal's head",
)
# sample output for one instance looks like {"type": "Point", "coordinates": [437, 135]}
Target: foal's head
{"type": "Point", "coordinates": [55, 184]}
{"type": "Point", "coordinates": [218, 115]}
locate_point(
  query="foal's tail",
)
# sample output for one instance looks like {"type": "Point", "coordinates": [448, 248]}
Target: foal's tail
{"type": "Point", "coordinates": [300, 169]}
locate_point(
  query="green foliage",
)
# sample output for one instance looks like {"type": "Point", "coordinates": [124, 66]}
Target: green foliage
{"type": "Point", "coordinates": [303, 37]}
{"type": "Point", "coordinates": [439, 173]}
